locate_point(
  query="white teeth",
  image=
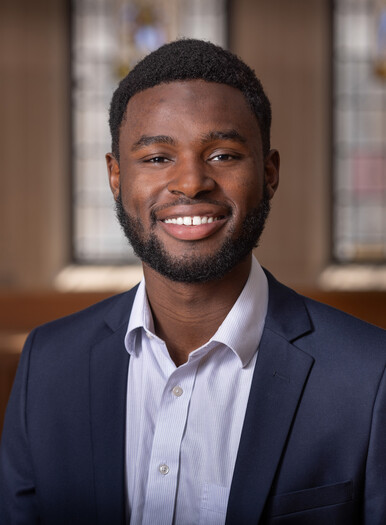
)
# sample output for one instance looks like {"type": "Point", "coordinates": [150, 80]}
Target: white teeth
{"type": "Point", "coordinates": [191, 221]}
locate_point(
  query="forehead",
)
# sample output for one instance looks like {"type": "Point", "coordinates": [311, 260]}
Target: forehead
{"type": "Point", "coordinates": [194, 103]}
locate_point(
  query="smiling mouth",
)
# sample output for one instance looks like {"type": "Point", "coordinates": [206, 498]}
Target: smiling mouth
{"type": "Point", "coordinates": [194, 220]}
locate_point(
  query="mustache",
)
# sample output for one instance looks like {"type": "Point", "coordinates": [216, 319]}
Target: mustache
{"type": "Point", "coordinates": [187, 201]}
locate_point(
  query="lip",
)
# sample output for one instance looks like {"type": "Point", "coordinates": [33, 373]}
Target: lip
{"type": "Point", "coordinates": [193, 233]}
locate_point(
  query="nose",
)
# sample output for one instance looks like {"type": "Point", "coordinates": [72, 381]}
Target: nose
{"type": "Point", "coordinates": [191, 178]}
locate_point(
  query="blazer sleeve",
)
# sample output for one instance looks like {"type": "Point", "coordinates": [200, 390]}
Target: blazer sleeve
{"type": "Point", "coordinates": [375, 480]}
{"type": "Point", "coordinates": [17, 484]}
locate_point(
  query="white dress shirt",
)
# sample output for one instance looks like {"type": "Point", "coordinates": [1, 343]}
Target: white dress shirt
{"type": "Point", "coordinates": [184, 424]}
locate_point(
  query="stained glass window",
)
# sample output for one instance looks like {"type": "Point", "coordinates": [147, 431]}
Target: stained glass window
{"type": "Point", "coordinates": [108, 38]}
{"type": "Point", "coordinates": [359, 148]}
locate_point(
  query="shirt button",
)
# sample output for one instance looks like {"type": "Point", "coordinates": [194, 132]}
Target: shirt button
{"type": "Point", "coordinates": [150, 336]}
{"type": "Point", "coordinates": [177, 391]}
{"type": "Point", "coordinates": [164, 469]}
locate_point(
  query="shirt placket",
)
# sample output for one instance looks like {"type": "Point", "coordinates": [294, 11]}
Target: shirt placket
{"type": "Point", "coordinates": [161, 490]}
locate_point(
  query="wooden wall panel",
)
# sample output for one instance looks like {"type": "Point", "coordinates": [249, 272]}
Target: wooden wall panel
{"type": "Point", "coordinates": [9, 357]}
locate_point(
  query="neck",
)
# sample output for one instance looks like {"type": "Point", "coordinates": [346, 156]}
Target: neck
{"type": "Point", "coordinates": [187, 315]}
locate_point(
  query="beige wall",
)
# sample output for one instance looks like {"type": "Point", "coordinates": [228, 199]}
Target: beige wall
{"type": "Point", "coordinates": [285, 42]}
{"type": "Point", "coordinates": [34, 141]}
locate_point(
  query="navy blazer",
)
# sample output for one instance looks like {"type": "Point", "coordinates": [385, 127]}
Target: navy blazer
{"type": "Point", "coordinates": [313, 444]}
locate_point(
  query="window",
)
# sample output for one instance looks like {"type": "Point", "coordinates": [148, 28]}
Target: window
{"type": "Point", "coordinates": [359, 148]}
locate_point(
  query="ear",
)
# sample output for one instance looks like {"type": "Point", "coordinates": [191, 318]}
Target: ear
{"type": "Point", "coordinates": [114, 174]}
{"type": "Point", "coordinates": [271, 171]}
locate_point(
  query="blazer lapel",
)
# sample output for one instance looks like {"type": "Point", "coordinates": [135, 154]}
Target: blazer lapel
{"type": "Point", "coordinates": [108, 385]}
{"type": "Point", "coordinates": [279, 378]}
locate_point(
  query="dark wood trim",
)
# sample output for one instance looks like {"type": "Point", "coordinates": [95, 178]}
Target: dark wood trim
{"type": "Point", "coordinates": [21, 311]}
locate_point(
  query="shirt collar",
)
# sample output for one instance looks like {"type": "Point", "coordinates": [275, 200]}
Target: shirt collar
{"type": "Point", "coordinates": [242, 328]}
{"type": "Point", "coordinates": [140, 317]}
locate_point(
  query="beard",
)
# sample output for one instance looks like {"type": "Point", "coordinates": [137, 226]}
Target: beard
{"type": "Point", "coordinates": [191, 268]}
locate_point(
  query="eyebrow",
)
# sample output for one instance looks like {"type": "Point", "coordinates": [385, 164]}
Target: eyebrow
{"type": "Point", "coordinates": [229, 134]}
{"type": "Point", "coordinates": [147, 140]}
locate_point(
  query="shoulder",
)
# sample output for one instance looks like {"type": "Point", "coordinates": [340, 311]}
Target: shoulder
{"type": "Point", "coordinates": [350, 343]}
{"type": "Point", "coordinates": [348, 355]}
{"type": "Point", "coordinates": [88, 324]}
{"type": "Point", "coordinates": [325, 326]}
{"type": "Point", "coordinates": [331, 318]}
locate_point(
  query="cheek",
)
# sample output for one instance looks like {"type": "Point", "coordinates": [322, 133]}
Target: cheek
{"type": "Point", "coordinates": [246, 195]}
{"type": "Point", "coordinates": [132, 199]}
{"type": "Point", "coordinates": [139, 195]}
{"type": "Point", "coordinates": [132, 186]}
{"type": "Point", "coordinates": [245, 187]}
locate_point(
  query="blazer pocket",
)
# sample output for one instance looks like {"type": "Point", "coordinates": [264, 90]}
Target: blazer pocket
{"type": "Point", "coordinates": [310, 498]}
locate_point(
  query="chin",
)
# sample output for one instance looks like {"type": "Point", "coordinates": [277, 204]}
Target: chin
{"type": "Point", "coordinates": [191, 267]}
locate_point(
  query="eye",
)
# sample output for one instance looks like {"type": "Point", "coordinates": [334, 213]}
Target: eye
{"type": "Point", "coordinates": [158, 159]}
{"type": "Point", "coordinates": [223, 157]}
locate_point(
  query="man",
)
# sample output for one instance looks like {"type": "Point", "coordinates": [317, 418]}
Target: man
{"type": "Point", "coordinates": [211, 393]}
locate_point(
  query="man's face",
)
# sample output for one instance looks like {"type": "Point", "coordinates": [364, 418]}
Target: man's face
{"type": "Point", "coordinates": [192, 186]}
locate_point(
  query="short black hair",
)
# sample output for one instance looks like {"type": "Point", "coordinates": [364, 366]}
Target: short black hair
{"type": "Point", "coordinates": [190, 59]}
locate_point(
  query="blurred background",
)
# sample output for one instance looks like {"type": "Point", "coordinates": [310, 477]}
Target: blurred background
{"type": "Point", "coordinates": [322, 64]}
